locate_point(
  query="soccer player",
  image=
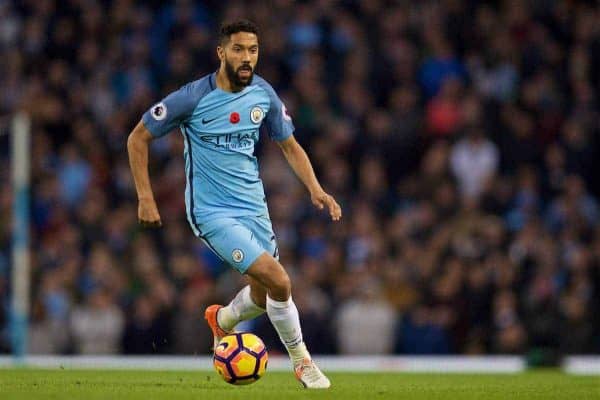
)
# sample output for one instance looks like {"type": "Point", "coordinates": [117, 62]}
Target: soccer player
{"type": "Point", "coordinates": [219, 116]}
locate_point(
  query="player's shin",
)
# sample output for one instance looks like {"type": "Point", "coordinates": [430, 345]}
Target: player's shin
{"type": "Point", "coordinates": [241, 308]}
{"type": "Point", "coordinates": [284, 317]}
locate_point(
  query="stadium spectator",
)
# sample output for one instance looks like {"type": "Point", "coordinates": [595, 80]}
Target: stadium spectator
{"type": "Point", "coordinates": [365, 312]}
{"type": "Point", "coordinates": [97, 326]}
{"type": "Point", "coordinates": [474, 162]}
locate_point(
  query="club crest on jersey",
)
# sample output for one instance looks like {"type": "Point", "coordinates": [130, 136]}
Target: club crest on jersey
{"type": "Point", "coordinates": [237, 255]}
{"type": "Point", "coordinates": [159, 111]}
{"type": "Point", "coordinates": [256, 114]}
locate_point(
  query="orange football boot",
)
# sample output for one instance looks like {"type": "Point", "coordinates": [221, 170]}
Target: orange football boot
{"type": "Point", "coordinates": [211, 318]}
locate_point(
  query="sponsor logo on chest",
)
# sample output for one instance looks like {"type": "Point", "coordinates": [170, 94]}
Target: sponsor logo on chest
{"type": "Point", "coordinates": [240, 140]}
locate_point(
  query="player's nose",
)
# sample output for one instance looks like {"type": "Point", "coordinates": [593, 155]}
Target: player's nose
{"type": "Point", "coordinates": [246, 56]}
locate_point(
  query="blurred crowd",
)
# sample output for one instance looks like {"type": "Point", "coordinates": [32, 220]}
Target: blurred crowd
{"type": "Point", "coordinates": [460, 137]}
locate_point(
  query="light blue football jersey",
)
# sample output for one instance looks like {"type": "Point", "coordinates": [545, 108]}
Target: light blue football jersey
{"type": "Point", "coordinates": [220, 131]}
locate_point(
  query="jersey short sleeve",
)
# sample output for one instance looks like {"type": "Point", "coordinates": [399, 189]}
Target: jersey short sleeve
{"type": "Point", "coordinates": [278, 122]}
{"type": "Point", "coordinates": [174, 109]}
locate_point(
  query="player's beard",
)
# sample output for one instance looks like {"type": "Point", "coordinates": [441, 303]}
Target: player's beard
{"type": "Point", "coordinates": [234, 77]}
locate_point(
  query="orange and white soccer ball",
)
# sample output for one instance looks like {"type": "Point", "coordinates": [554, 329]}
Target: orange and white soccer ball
{"type": "Point", "coordinates": [240, 358]}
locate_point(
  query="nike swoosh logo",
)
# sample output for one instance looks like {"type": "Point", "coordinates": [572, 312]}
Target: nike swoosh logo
{"type": "Point", "coordinates": [207, 121]}
{"type": "Point", "coordinates": [224, 345]}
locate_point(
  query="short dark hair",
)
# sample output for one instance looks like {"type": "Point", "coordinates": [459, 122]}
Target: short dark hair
{"type": "Point", "coordinates": [229, 28]}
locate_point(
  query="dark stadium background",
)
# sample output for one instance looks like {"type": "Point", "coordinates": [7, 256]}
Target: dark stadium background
{"type": "Point", "coordinates": [460, 137]}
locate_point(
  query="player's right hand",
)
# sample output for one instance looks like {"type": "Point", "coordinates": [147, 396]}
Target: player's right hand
{"type": "Point", "coordinates": [148, 215]}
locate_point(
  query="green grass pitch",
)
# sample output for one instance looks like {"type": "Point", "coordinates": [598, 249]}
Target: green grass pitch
{"type": "Point", "coordinates": [172, 385]}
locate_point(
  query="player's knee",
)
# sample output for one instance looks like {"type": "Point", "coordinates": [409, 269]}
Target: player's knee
{"type": "Point", "coordinates": [281, 286]}
{"type": "Point", "coordinates": [270, 273]}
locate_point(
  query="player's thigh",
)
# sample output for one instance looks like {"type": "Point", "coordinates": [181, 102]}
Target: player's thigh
{"type": "Point", "coordinates": [263, 233]}
{"type": "Point", "coordinates": [232, 241]}
{"type": "Point", "coordinates": [267, 271]}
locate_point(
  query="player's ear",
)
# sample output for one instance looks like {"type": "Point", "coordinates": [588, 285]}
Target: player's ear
{"type": "Point", "coordinates": [221, 53]}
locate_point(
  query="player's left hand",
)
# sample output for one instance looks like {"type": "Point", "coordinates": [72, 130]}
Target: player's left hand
{"type": "Point", "coordinates": [321, 199]}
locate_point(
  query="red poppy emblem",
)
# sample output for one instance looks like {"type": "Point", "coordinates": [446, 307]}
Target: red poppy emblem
{"type": "Point", "coordinates": [234, 118]}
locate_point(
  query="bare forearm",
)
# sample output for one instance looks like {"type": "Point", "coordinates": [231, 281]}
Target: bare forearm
{"type": "Point", "coordinates": [137, 148]}
{"type": "Point", "coordinates": [298, 160]}
{"type": "Point", "coordinates": [302, 167]}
